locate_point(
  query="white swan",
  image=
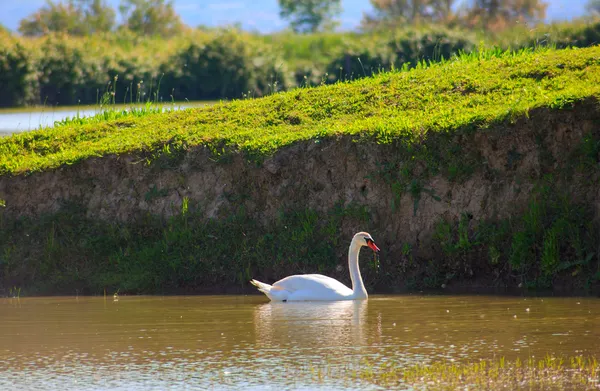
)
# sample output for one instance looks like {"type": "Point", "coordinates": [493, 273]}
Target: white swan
{"type": "Point", "coordinates": [307, 287]}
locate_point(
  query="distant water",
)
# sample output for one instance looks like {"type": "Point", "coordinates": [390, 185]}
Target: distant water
{"type": "Point", "coordinates": [22, 121]}
{"type": "Point", "coordinates": [28, 120]}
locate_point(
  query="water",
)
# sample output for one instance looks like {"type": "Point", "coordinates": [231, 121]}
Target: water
{"type": "Point", "coordinates": [25, 120]}
{"type": "Point", "coordinates": [244, 342]}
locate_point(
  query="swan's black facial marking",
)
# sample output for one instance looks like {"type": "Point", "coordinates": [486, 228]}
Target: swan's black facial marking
{"type": "Point", "coordinates": [371, 244]}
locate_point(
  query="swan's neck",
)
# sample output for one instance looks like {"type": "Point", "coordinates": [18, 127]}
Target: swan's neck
{"type": "Point", "coordinates": [358, 287]}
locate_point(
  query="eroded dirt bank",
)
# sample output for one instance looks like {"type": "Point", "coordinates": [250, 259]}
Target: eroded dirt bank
{"type": "Point", "coordinates": [424, 203]}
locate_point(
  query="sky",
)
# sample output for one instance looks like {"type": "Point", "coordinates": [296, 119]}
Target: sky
{"type": "Point", "coordinates": [258, 15]}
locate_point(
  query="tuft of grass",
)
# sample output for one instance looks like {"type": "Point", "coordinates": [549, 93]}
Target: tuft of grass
{"type": "Point", "coordinates": [550, 372]}
{"type": "Point", "coordinates": [466, 93]}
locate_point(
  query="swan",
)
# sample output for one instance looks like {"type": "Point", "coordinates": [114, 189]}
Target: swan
{"type": "Point", "coordinates": [309, 287]}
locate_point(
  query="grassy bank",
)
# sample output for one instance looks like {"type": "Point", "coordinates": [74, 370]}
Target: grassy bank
{"type": "Point", "coordinates": [464, 94]}
{"type": "Point", "coordinates": [230, 64]}
{"type": "Point", "coordinates": [423, 118]}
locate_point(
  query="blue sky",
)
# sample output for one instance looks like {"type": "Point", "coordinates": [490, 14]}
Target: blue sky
{"type": "Point", "coordinates": [261, 15]}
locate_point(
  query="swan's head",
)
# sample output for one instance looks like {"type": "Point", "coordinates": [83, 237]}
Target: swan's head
{"type": "Point", "coordinates": [365, 239]}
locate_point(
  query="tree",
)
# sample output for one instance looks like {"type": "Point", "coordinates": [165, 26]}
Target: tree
{"type": "Point", "coordinates": [499, 14]}
{"type": "Point", "coordinates": [98, 16]}
{"type": "Point", "coordinates": [309, 15]}
{"type": "Point", "coordinates": [593, 7]}
{"type": "Point", "coordinates": [408, 11]}
{"type": "Point", "coordinates": [76, 17]}
{"type": "Point", "coordinates": [151, 17]}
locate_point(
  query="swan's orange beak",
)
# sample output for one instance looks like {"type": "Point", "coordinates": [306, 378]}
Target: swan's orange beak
{"type": "Point", "coordinates": [373, 246]}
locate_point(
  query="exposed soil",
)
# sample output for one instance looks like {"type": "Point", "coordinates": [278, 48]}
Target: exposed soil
{"type": "Point", "coordinates": [509, 160]}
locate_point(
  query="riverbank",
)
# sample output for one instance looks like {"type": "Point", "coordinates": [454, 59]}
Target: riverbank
{"type": "Point", "coordinates": [476, 172]}
{"type": "Point", "coordinates": [58, 69]}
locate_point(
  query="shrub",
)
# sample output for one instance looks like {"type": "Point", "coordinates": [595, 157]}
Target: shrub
{"type": "Point", "coordinates": [70, 73]}
{"type": "Point", "coordinates": [430, 45]}
{"type": "Point", "coordinates": [227, 66]}
{"type": "Point", "coordinates": [18, 77]}
{"type": "Point", "coordinates": [380, 52]}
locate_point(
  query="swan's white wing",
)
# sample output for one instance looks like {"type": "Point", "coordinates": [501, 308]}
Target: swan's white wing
{"type": "Point", "coordinates": [312, 287]}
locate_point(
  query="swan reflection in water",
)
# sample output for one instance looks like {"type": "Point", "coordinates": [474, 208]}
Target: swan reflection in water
{"type": "Point", "coordinates": [311, 325]}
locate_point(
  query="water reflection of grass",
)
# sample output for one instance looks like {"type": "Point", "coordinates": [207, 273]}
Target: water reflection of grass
{"type": "Point", "coordinates": [550, 372]}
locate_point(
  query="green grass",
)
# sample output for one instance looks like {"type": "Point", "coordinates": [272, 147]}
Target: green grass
{"type": "Point", "coordinates": [466, 93]}
{"type": "Point", "coordinates": [67, 251]}
{"type": "Point", "coordinates": [550, 372]}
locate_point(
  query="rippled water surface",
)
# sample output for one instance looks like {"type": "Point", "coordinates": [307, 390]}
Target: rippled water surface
{"type": "Point", "coordinates": [244, 342]}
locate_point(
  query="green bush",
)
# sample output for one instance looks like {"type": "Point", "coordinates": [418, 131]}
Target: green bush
{"type": "Point", "coordinates": [227, 66]}
{"type": "Point", "coordinates": [357, 61]}
{"type": "Point", "coordinates": [366, 57]}
{"type": "Point", "coordinates": [431, 45]}
{"type": "Point", "coordinates": [134, 79]}
{"type": "Point", "coordinates": [18, 77]}
{"type": "Point", "coordinates": [60, 69]}
{"type": "Point", "coordinates": [575, 35]}
{"type": "Point", "coordinates": [70, 73]}
{"type": "Point", "coordinates": [579, 33]}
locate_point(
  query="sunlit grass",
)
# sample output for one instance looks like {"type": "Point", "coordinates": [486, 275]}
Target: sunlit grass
{"type": "Point", "coordinates": [550, 372]}
{"type": "Point", "coordinates": [467, 93]}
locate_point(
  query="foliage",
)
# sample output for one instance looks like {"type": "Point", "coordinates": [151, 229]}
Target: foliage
{"type": "Point", "coordinates": [400, 12]}
{"type": "Point", "coordinates": [275, 62]}
{"type": "Point", "coordinates": [405, 48]}
{"type": "Point", "coordinates": [75, 17]}
{"type": "Point", "coordinates": [225, 66]}
{"type": "Point", "coordinates": [151, 17]}
{"type": "Point", "coordinates": [553, 236]}
{"type": "Point", "coordinates": [153, 255]}
{"type": "Point", "coordinates": [17, 74]}
{"type": "Point", "coordinates": [68, 73]}
{"type": "Point", "coordinates": [86, 17]}
{"type": "Point", "coordinates": [98, 16]}
{"type": "Point", "coordinates": [309, 15]}
{"type": "Point", "coordinates": [486, 14]}
{"type": "Point", "coordinates": [465, 92]}
{"type": "Point", "coordinates": [593, 7]}
{"type": "Point", "coordinates": [457, 97]}
{"type": "Point", "coordinates": [498, 15]}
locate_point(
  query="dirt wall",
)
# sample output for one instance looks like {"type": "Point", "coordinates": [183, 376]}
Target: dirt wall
{"type": "Point", "coordinates": [499, 166]}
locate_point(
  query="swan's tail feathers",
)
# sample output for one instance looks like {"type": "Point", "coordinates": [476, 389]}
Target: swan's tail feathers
{"type": "Point", "coordinates": [264, 288]}
{"type": "Point", "coordinates": [271, 292]}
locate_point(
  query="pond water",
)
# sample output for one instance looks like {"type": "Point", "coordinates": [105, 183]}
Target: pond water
{"type": "Point", "coordinates": [245, 342]}
{"type": "Point", "coordinates": [19, 120]}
